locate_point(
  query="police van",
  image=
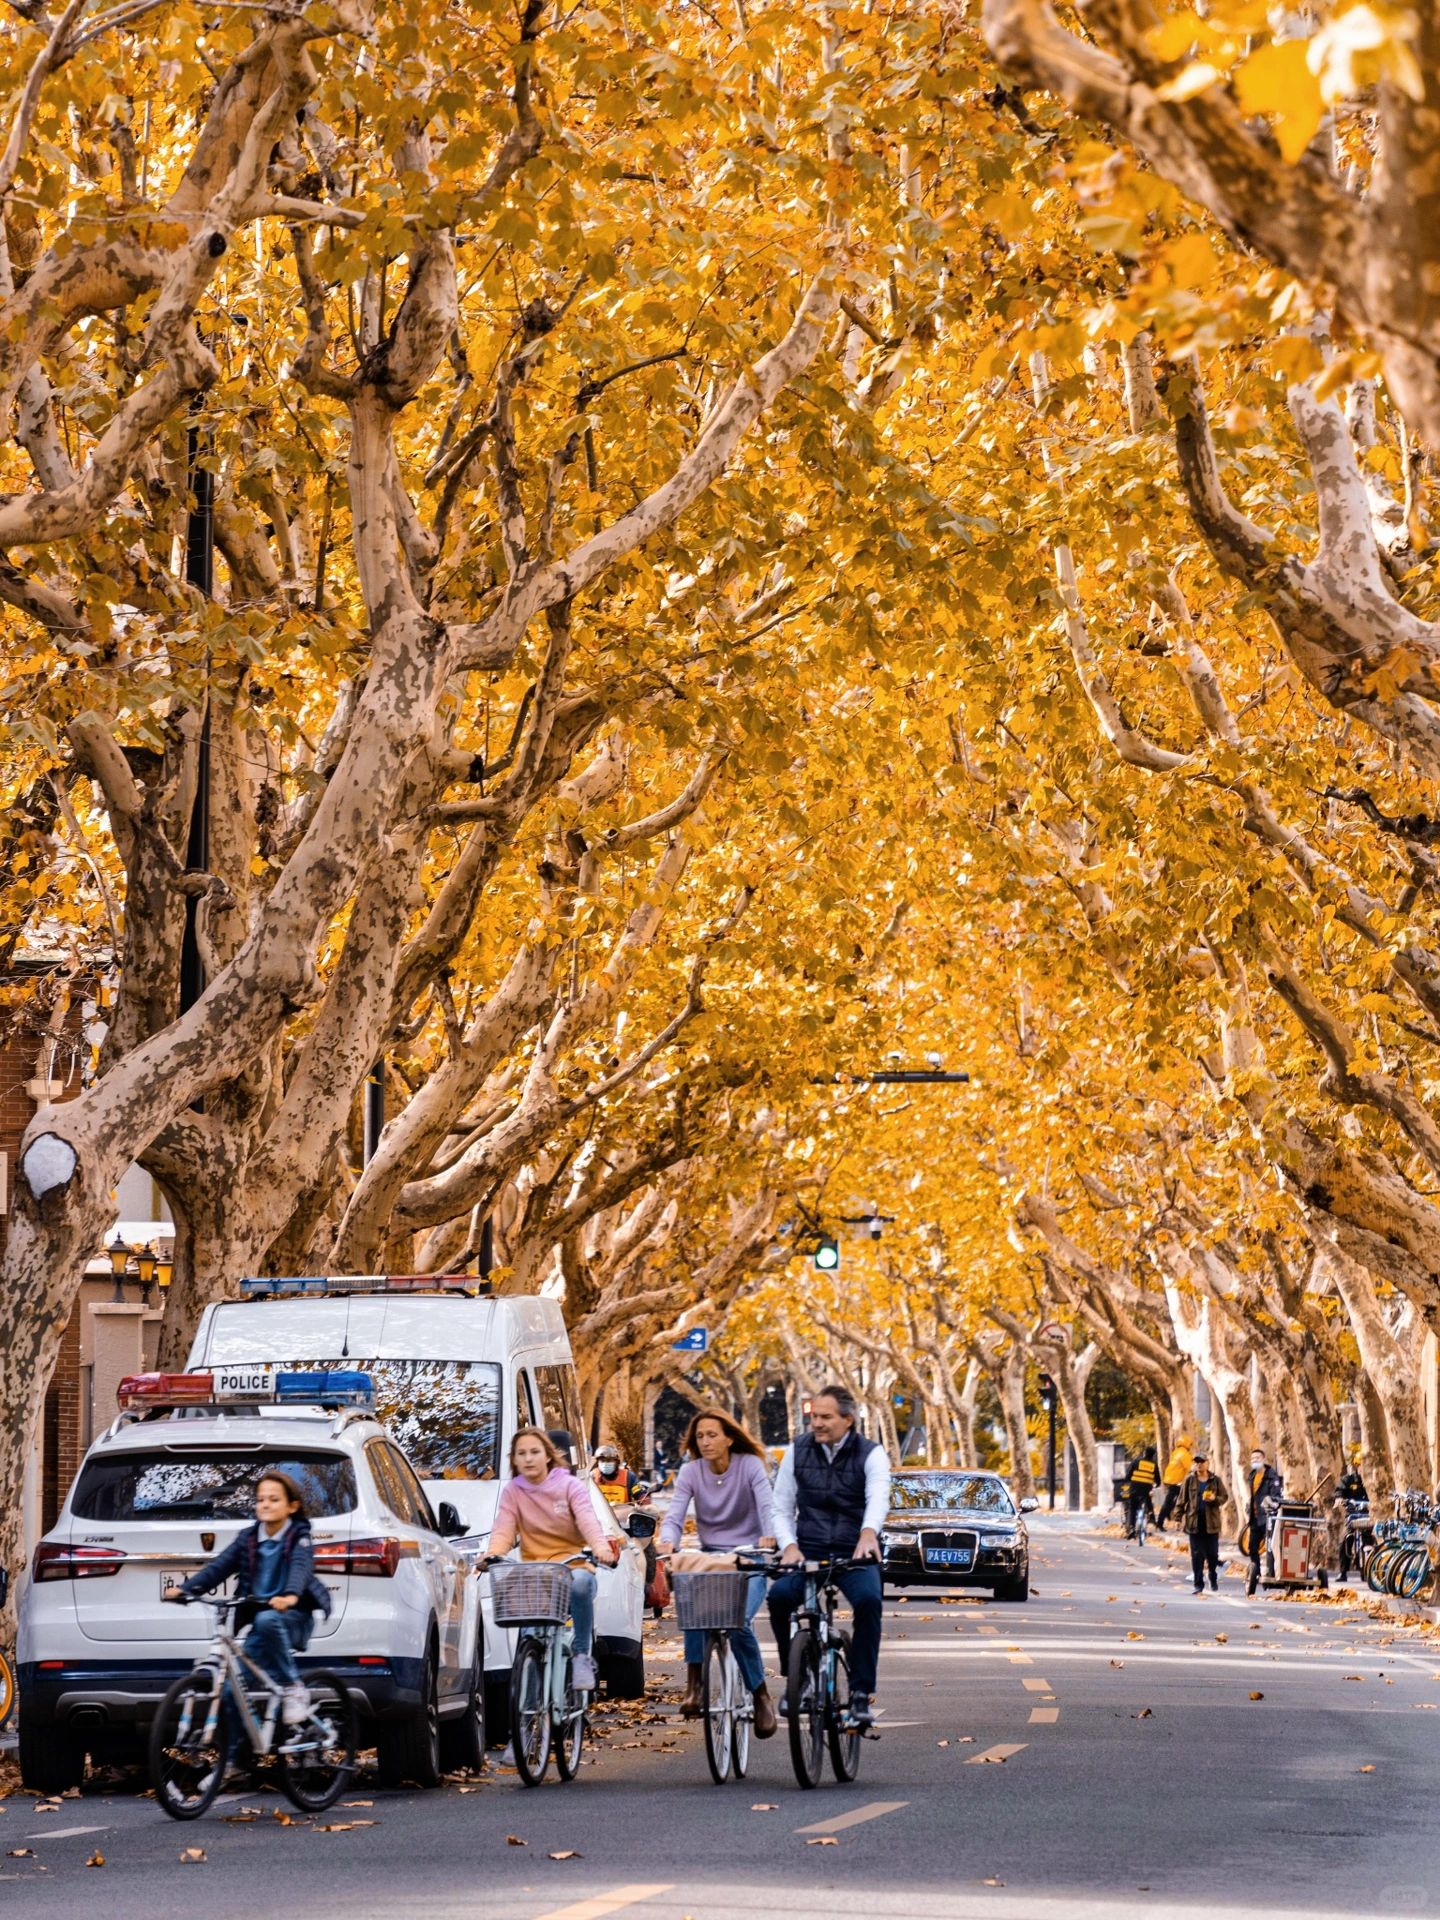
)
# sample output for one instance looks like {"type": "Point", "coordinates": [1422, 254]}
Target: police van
{"type": "Point", "coordinates": [456, 1370]}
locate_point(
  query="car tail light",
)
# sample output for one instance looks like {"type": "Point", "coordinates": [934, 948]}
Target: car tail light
{"type": "Point", "coordinates": [57, 1560]}
{"type": "Point", "coordinates": [376, 1557]}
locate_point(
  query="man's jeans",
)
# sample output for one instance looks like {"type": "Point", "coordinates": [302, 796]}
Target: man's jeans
{"type": "Point", "coordinates": [1204, 1557]}
{"type": "Point", "coordinates": [862, 1587]}
{"type": "Point", "coordinates": [747, 1647]}
{"type": "Point", "coordinates": [272, 1642]}
{"type": "Point", "coordinates": [582, 1608]}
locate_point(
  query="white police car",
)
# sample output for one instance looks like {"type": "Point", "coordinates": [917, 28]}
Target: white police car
{"type": "Point", "coordinates": [165, 1489]}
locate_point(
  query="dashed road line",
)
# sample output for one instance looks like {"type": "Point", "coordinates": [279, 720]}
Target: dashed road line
{"type": "Point", "coordinates": [1044, 1716]}
{"type": "Point", "coordinates": [1036, 1686]}
{"type": "Point", "coordinates": [602, 1903]}
{"type": "Point", "coordinates": [64, 1833]}
{"type": "Point", "coordinates": [856, 1817]}
{"type": "Point", "coordinates": [993, 1755]}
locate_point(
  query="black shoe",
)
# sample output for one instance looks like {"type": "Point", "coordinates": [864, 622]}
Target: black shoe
{"type": "Point", "coordinates": [861, 1713]}
{"type": "Point", "coordinates": [1199, 1589]}
{"type": "Point", "coordinates": [784, 1707]}
{"type": "Point", "coordinates": [1214, 1586]}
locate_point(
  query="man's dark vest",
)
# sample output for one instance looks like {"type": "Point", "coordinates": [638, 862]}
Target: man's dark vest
{"type": "Point", "coordinates": [830, 1495]}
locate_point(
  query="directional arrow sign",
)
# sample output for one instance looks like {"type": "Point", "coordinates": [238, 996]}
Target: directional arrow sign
{"type": "Point", "coordinates": [696, 1340]}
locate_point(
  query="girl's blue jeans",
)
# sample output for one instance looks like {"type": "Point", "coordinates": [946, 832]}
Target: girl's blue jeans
{"type": "Point", "coordinates": [582, 1608]}
{"type": "Point", "coordinates": [747, 1647]}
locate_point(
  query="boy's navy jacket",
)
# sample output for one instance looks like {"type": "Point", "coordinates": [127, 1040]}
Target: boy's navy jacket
{"type": "Point", "coordinates": [297, 1567]}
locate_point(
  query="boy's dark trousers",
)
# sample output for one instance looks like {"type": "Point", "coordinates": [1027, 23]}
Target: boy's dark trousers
{"type": "Point", "coordinates": [1205, 1553]}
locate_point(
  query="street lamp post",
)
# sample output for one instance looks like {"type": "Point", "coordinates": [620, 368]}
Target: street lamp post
{"type": "Point", "coordinates": [1048, 1398]}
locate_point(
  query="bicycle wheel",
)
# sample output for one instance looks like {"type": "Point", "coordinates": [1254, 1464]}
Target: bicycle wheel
{"type": "Point", "coordinates": [844, 1738]}
{"type": "Point", "coordinates": [530, 1712]}
{"type": "Point", "coordinates": [7, 1689]}
{"type": "Point", "coordinates": [570, 1734]}
{"type": "Point", "coordinates": [317, 1758]}
{"type": "Point", "coordinates": [717, 1706]}
{"type": "Point", "coordinates": [1377, 1571]}
{"type": "Point", "coordinates": [744, 1720]}
{"type": "Point", "coordinates": [1141, 1525]}
{"type": "Point", "coordinates": [1410, 1573]}
{"type": "Point", "coordinates": [807, 1708]}
{"type": "Point", "coordinates": [189, 1746]}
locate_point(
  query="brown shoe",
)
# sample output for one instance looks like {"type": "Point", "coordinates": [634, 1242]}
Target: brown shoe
{"type": "Point", "coordinates": [690, 1706]}
{"type": "Point", "coordinates": [765, 1721]}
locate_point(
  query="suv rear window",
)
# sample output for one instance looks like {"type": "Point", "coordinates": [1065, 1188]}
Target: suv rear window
{"type": "Point", "coordinates": [207, 1483]}
{"type": "Point", "coordinates": [444, 1414]}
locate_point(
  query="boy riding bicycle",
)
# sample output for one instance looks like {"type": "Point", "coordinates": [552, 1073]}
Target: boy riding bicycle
{"type": "Point", "coordinates": [273, 1563]}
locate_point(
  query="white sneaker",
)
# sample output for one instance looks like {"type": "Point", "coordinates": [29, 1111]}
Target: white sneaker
{"type": "Point", "coordinates": [582, 1672]}
{"type": "Point", "coordinates": [295, 1704]}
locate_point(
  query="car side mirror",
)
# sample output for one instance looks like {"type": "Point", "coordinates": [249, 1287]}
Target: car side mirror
{"type": "Point", "coordinates": [449, 1521]}
{"type": "Point", "coordinates": [641, 1526]}
{"type": "Point", "coordinates": [1029, 1503]}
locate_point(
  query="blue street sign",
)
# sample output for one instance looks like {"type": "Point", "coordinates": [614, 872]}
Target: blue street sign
{"type": "Point", "coordinates": [695, 1341]}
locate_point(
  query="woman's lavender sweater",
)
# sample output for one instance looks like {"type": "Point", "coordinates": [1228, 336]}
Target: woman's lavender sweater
{"type": "Point", "coordinates": [734, 1509]}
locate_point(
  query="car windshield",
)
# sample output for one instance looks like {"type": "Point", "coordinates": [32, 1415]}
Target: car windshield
{"type": "Point", "coordinates": [948, 1492]}
{"type": "Point", "coordinates": [444, 1413]}
{"type": "Point", "coordinates": [207, 1483]}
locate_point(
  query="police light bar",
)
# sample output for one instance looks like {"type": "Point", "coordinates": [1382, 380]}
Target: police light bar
{"type": "Point", "coordinates": [265, 1286]}
{"type": "Point", "coordinates": [247, 1386]}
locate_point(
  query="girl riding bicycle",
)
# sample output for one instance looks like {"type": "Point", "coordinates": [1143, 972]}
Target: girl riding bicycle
{"type": "Point", "coordinates": [725, 1479]}
{"type": "Point", "coordinates": [553, 1517]}
{"type": "Point", "coordinates": [274, 1565]}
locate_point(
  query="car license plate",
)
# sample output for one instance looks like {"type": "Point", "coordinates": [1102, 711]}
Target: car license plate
{"type": "Point", "coordinates": [243, 1383]}
{"type": "Point", "coordinates": [949, 1556]}
{"type": "Point", "coordinates": [170, 1583]}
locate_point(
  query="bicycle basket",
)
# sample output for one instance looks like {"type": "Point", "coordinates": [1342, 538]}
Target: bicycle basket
{"type": "Point", "coordinates": [529, 1592]}
{"type": "Point", "coordinates": [711, 1600]}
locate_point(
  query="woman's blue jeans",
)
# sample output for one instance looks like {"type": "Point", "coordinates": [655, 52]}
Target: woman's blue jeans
{"type": "Point", "coordinates": [582, 1608]}
{"type": "Point", "coordinates": [272, 1642]}
{"type": "Point", "coordinates": [747, 1647]}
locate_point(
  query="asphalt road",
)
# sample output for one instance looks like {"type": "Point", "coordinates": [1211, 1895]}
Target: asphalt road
{"type": "Point", "coordinates": [1116, 1746]}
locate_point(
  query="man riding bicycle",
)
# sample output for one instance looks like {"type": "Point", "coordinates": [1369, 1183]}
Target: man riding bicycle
{"type": "Point", "coordinates": [832, 1493]}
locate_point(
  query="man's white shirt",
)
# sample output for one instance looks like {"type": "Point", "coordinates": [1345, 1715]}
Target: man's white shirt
{"type": "Point", "coordinates": [877, 1490]}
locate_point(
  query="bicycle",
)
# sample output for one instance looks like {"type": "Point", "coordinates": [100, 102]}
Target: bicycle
{"type": "Point", "coordinates": [195, 1725]}
{"type": "Point", "coordinates": [7, 1666]}
{"type": "Point", "coordinates": [546, 1708]}
{"type": "Point", "coordinates": [817, 1677]}
{"type": "Point", "coordinates": [717, 1604]}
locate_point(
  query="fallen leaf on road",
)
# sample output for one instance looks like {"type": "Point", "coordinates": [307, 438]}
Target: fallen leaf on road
{"type": "Point", "coordinates": [96, 1860]}
{"type": "Point", "coordinates": [345, 1805]}
{"type": "Point", "coordinates": [241, 1819]}
{"type": "Point", "coordinates": [764, 1806]}
{"type": "Point", "coordinates": [567, 1853]}
{"type": "Point", "coordinates": [1353, 1676]}
{"type": "Point", "coordinates": [1223, 1638]}
{"type": "Point", "coordinates": [1367, 1769]}
{"type": "Point", "coordinates": [22, 1853]}
{"type": "Point", "coordinates": [942, 1743]}
{"type": "Point", "coordinates": [514, 1840]}
{"type": "Point", "coordinates": [1133, 1635]}
{"type": "Point", "coordinates": [1145, 1713]}
{"type": "Point", "coordinates": [1257, 1696]}
{"type": "Point", "coordinates": [1117, 1663]}
{"type": "Point", "coordinates": [346, 1826]}
{"type": "Point", "coordinates": [283, 1819]}
{"type": "Point", "coordinates": [967, 1739]}
{"type": "Point", "coordinates": [992, 1883]}
{"type": "Point", "coordinates": [823, 1840]}
{"type": "Point", "coordinates": [193, 1857]}
{"type": "Point", "coordinates": [993, 1759]}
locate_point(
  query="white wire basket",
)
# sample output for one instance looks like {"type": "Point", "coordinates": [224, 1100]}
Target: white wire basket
{"type": "Point", "coordinates": [712, 1601]}
{"type": "Point", "coordinates": [530, 1593]}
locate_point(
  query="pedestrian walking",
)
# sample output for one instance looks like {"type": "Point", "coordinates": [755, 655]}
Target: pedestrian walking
{"type": "Point", "coordinates": [1263, 1487]}
{"type": "Point", "coordinates": [1143, 1478]}
{"type": "Point", "coordinates": [1176, 1467]}
{"type": "Point", "coordinates": [1202, 1497]}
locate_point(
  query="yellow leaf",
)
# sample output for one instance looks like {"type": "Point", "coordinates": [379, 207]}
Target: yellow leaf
{"type": "Point", "coordinates": [1195, 78]}
{"type": "Point", "coordinates": [1277, 80]}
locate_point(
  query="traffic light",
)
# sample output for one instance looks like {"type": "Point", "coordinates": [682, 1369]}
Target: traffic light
{"type": "Point", "coordinates": [1047, 1393]}
{"type": "Point", "coordinates": [827, 1255]}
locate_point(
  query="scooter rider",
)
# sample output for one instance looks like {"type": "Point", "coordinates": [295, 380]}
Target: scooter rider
{"type": "Point", "coordinates": [832, 1493]}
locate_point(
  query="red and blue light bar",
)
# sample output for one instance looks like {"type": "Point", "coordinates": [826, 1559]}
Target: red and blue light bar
{"type": "Point", "coordinates": [324, 1387]}
{"type": "Point", "coordinates": [310, 1285]}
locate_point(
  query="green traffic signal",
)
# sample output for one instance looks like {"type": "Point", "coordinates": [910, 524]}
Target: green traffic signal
{"type": "Point", "coordinates": [827, 1256]}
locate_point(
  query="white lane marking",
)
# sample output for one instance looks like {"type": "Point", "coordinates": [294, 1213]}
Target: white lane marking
{"type": "Point", "coordinates": [993, 1755]}
{"type": "Point", "coordinates": [1019, 1659]}
{"type": "Point", "coordinates": [855, 1818]}
{"type": "Point", "coordinates": [1044, 1716]}
{"type": "Point", "coordinates": [64, 1833]}
{"type": "Point", "coordinates": [1036, 1686]}
{"type": "Point", "coordinates": [602, 1903]}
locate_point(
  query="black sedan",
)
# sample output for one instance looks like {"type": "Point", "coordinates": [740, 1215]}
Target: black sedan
{"type": "Point", "coordinates": [950, 1527]}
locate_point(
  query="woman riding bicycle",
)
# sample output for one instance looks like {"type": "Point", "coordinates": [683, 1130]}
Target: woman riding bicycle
{"type": "Point", "coordinates": [553, 1517]}
{"type": "Point", "coordinates": [274, 1565]}
{"type": "Point", "coordinates": [724, 1478]}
